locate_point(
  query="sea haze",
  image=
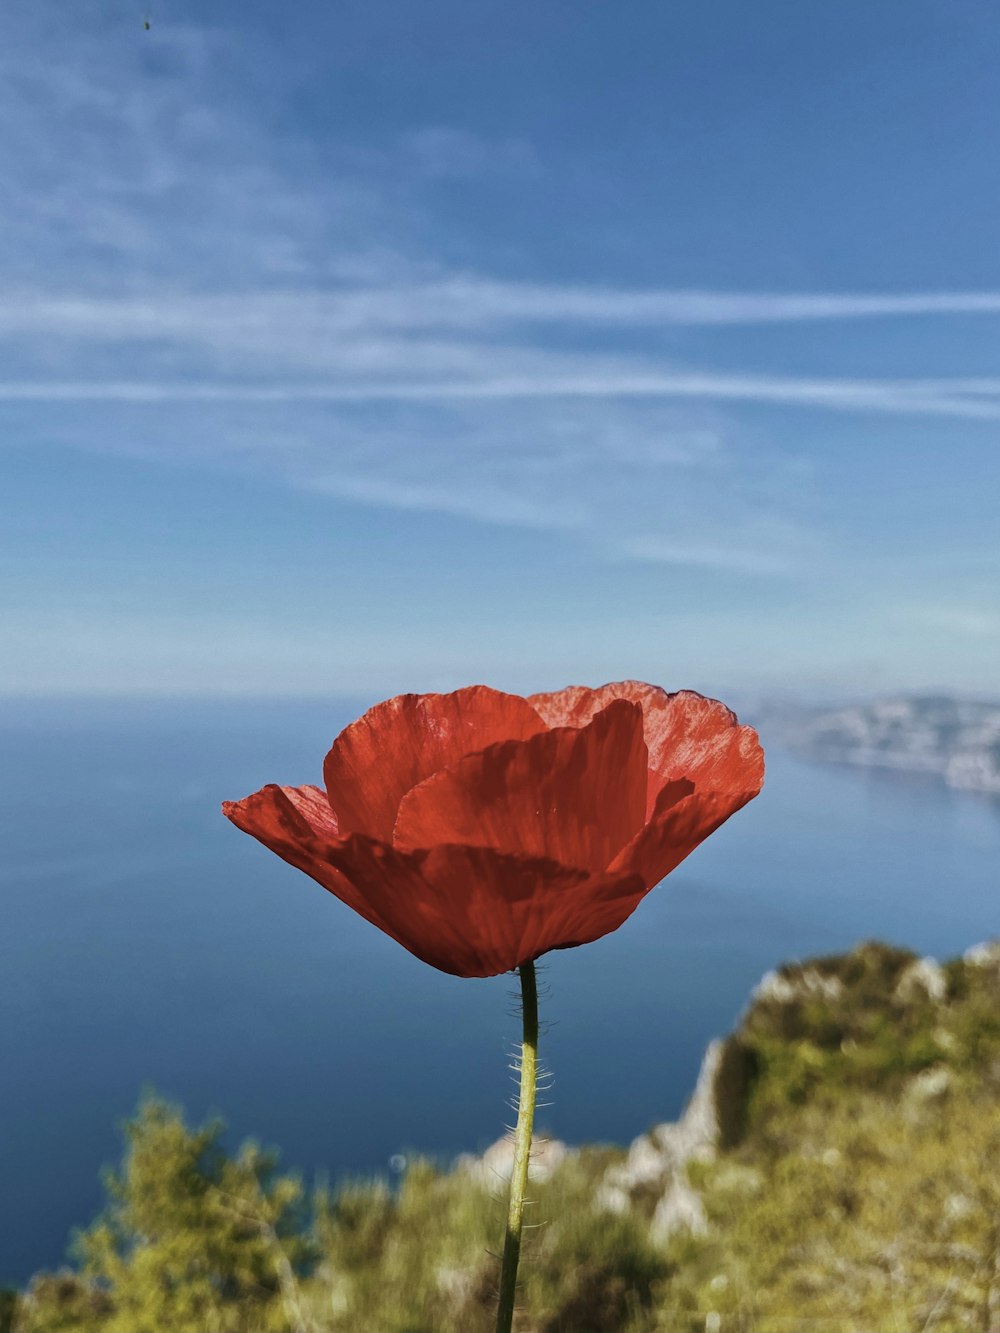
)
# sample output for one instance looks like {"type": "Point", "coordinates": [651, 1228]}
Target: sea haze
{"type": "Point", "coordinates": [149, 943]}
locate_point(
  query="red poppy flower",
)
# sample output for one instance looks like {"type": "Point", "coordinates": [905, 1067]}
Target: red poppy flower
{"type": "Point", "coordinates": [481, 829]}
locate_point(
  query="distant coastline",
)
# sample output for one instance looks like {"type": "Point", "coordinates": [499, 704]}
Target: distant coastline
{"type": "Point", "coordinates": [957, 740]}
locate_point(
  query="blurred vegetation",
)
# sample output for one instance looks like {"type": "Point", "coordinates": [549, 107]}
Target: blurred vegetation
{"type": "Point", "coordinates": [857, 1187]}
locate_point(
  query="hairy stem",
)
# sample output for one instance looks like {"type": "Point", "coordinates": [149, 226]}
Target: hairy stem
{"type": "Point", "coordinates": [522, 1148]}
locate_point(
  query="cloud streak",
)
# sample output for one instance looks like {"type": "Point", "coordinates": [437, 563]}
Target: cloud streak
{"type": "Point", "coordinates": [462, 301]}
{"type": "Point", "coordinates": [961, 398]}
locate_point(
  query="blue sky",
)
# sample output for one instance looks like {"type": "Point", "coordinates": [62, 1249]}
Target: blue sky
{"type": "Point", "coordinates": [376, 346]}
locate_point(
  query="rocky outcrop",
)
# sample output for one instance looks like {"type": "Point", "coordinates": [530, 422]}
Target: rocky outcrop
{"type": "Point", "coordinates": [654, 1174]}
{"type": "Point", "coordinates": [819, 1011]}
{"type": "Point", "coordinates": [835, 992]}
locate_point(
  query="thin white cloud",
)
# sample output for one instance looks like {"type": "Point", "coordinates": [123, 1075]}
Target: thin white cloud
{"type": "Point", "coordinates": [269, 316]}
{"type": "Point", "coordinates": [473, 300]}
{"type": "Point", "coordinates": [938, 398]}
{"type": "Point", "coordinates": [730, 556]}
{"type": "Point", "coordinates": [465, 499]}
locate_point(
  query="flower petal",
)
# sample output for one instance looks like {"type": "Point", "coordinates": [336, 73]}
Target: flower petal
{"type": "Point", "coordinates": [475, 912]}
{"type": "Point", "coordinates": [375, 761]}
{"type": "Point", "coordinates": [298, 824]}
{"type": "Point", "coordinates": [572, 795]}
{"type": "Point", "coordinates": [687, 734]}
{"type": "Point", "coordinates": [682, 818]}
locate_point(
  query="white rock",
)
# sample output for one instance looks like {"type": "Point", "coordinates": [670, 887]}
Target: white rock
{"type": "Point", "coordinates": [497, 1162]}
{"type": "Point", "coordinates": [657, 1161]}
{"type": "Point", "coordinates": [986, 954]}
{"type": "Point", "coordinates": [957, 1207]}
{"type": "Point", "coordinates": [773, 986]}
{"type": "Point", "coordinates": [612, 1197]}
{"type": "Point", "coordinates": [930, 1085]}
{"type": "Point", "coordinates": [680, 1209]}
{"type": "Point", "coordinates": [455, 1283]}
{"type": "Point", "coordinates": [926, 975]}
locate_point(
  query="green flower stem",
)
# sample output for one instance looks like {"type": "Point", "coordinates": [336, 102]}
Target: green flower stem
{"type": "Point", "coordinates": [522, 1148]}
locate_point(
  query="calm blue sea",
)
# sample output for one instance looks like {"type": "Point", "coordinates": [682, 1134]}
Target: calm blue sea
{"type": "Point", "coordinates": [147, 942]}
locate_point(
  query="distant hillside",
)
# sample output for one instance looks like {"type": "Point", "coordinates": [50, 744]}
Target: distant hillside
{"type": "Point", "coordinates": [958, 739]}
